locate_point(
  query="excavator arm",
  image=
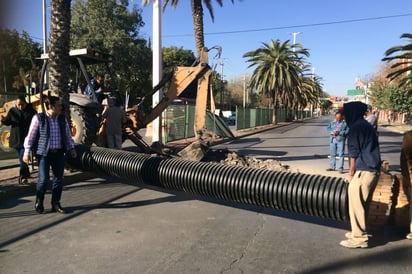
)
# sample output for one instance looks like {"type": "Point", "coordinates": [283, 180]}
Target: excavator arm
{"type": "Point", "coordinates": [181, 79]}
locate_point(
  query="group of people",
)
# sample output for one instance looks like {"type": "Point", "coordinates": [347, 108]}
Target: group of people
{"type": "Point", "coordinates": [357, 125]}
{"type": "Point", "coordinates": [338, 131]}
{"type": "Point", "coordinates": [113, 116]}
{"type": "Point", "coordinates": [48, 136]}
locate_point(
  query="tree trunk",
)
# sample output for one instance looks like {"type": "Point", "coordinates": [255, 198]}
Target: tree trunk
{"type": "Point", "coordinates": [59, 60]}
{"type": "Point", "coordinates": [197, 13]}
{"type": "Point", "coordinates": [275, 108]}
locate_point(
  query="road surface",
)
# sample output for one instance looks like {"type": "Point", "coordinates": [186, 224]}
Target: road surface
{"type": "Point", "coordinates": [119, 226]}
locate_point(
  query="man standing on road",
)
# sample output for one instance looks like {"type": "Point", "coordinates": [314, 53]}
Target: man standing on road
{"type": "Point", "coordinates": [337, 130]}
{"type": "Point", "coordinates": [50, 138]}
{"type": "Point", "coordinates": [371, 117]}
{"type": "Point", "coordinates": [19, 118]}
{"type": "Point", "coordinates": [364, 168]}
{"type": "Point", "coordinates": [115, 119]}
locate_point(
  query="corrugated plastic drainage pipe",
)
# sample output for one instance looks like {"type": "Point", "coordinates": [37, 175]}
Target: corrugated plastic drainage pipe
{"type": "Point", "coordinates": [306, 194]}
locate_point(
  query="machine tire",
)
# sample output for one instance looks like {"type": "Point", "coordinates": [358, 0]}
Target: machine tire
{"type": "Point", "coordinates": [84, 124]}
{"type": "Point", "coordinates": [4, 139]}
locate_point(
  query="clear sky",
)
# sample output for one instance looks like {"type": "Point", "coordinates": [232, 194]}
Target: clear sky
{"type": "Point", "coordinates": [344, 43]}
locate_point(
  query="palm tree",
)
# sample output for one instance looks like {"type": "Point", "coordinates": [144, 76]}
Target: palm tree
{"type": "Point", "coordinates": [197, 14]}
{"type": "Point", "coordinates": [402, 55]}
{"type": "Point", "coordinates": [277, 72]}
{"type": "Point", "coordinates": [59, 60]}
{"type": "Point", "coordinates": [308, 90]}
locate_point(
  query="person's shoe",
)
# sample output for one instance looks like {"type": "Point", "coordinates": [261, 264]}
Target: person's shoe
{"type": "Point", "coordinates": [341, 171]}
{"type": "Point", "coordinates": [38, 206]}
{"type": "Point", "coordinates": [348, 235]}
{"type": "Point", "coordinates": [409, 236]}
{"type": "Point", "coordinates": [24, 181]}
{"type": "Point", "coordinates": [351, 243]}
{"type": "Point", "coordinates": [330, 169]}
{"type": "Point", "coordinates": [58, 208]}
{"type": "Point", "coordinates": [20, 180]}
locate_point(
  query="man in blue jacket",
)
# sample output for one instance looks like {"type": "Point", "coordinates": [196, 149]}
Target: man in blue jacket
{"type": "Point", "coordinates": [364, 168]}
{"type": "Point", "coordinates": [337, 130]}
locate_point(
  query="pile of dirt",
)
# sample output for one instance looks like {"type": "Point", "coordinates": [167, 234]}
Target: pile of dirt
{"type": "Point", "coordinates": [232, 158]}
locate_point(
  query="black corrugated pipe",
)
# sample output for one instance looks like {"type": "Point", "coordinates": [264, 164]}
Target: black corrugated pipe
{"type": "Point", "coordinates": [307, 194]}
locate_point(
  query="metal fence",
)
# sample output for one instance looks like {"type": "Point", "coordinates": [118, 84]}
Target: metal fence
{"type": "Point", "coordinates": [178, 123]}
{"type": "Point", "coordinates": [178, 120]}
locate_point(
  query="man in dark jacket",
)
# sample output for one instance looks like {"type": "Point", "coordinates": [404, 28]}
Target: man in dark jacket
{"type": "Point", "coordinates": [19, 118]}
{"type": "Point", "coordinates": [364, 168]}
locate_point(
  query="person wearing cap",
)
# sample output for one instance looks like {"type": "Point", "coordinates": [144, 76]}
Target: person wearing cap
{"type": "Point", "coordinates": [364, 169]}
{"type": "Point", "coordinates": [337, 130]}
{"type": "Point", "coordinates": [97, 83]}
{"type": "Point", "coordinates": [371, 117]}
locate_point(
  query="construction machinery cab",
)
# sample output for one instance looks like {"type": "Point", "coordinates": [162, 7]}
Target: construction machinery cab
{"type": "Point", "coordinates": [85, 110]}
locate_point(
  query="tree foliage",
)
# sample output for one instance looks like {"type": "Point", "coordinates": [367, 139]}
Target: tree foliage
{"type": "Point", "coordinates": [197, 15]}
{"type": "Point", "coordinates": [400, 58]}
{"type": "Point", "coordinates": [112, 27]}
{"type": "Point", "coordinates": [394, 92]}
{"type": "Point", "coordinates": [18, 53]}
{"type": "Point", "coordinates": [174, 56]}
{"type": "Point", "coordinates": [281, 74]}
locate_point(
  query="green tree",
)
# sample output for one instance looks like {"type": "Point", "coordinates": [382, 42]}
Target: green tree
{"type": "Point", "coordinates": [59, 59]}
{"type": "Point", "coordinates": [307, 92]}
{"type": "Point", "coordinates": [111, 26]}
{"type": "Point", "coordinates": [278, 67]}
{"type": "Point", "coordinates": [197, 14]}
{"type": "Point", "coordinates": [18, 55]}
{"type": "Point", "coordinates": [174, 56]}
{"type": "Point", "coordinates": [392, 97]}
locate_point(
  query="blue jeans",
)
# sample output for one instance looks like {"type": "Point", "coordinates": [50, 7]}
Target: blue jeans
{"type": "Point", "coordinates": [56, 161]}
{"type": "Point", "coordinates": [24, 168]}
{"type": "Point", "coordinates": [336, 148]}
{"type": "Point", "coordinates": [114, 141]}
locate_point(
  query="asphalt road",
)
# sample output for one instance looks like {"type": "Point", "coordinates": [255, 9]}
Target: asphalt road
{"type": "Point", "coordinates": [304, 146]}
{"type": "Point", "coordinates": [119, 226]}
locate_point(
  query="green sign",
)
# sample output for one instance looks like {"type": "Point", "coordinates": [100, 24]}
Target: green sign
{"type": "Point", "coordinates": [352, 92]}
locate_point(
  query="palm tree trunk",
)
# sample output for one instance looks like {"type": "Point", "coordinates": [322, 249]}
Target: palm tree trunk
{"type": "Point", "coordinates": [59, 59]}
{"type": "Point", "coordinates": [197, 13]}
{"type": "Point", "coordinates": [275, 108]}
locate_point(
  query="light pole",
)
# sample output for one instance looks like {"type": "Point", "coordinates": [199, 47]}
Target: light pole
{"type": "Point", "coordinates": [157, 68]}
{"type": "Point", "coordinates": [244, 90]}
{"type": "Point", "coordinates": [222, 63]}
{"type": "Point", "coordinates": [294, 34]}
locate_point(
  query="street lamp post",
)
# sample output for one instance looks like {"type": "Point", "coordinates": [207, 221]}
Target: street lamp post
{"type": "Point", "coordinates": [294, 34]}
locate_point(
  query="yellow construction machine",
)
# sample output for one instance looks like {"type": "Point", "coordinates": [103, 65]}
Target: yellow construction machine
{"type": "Point", "coordinates": [85, 110]}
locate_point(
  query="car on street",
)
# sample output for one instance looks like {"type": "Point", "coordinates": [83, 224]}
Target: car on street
{"type": "Point", "coordinates": [231, 120]}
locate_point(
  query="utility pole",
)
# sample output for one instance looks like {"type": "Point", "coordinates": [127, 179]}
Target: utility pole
{"type": "Point", "coordinates": [222, 63]}
{"type": "Point", "coordinates": [157, 68]}
{"type": "Point", "coordinates": [44, 7]}
{"type": "Point", "coordinates": [245, 94]}
{"type": "Point", "coordinates": [244, 90]}
{"type": "Point", "coordinates": [294, 38]}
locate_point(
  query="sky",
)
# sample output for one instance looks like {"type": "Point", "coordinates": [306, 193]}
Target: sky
{"type": "Point", "coordinates": [346, 39]}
